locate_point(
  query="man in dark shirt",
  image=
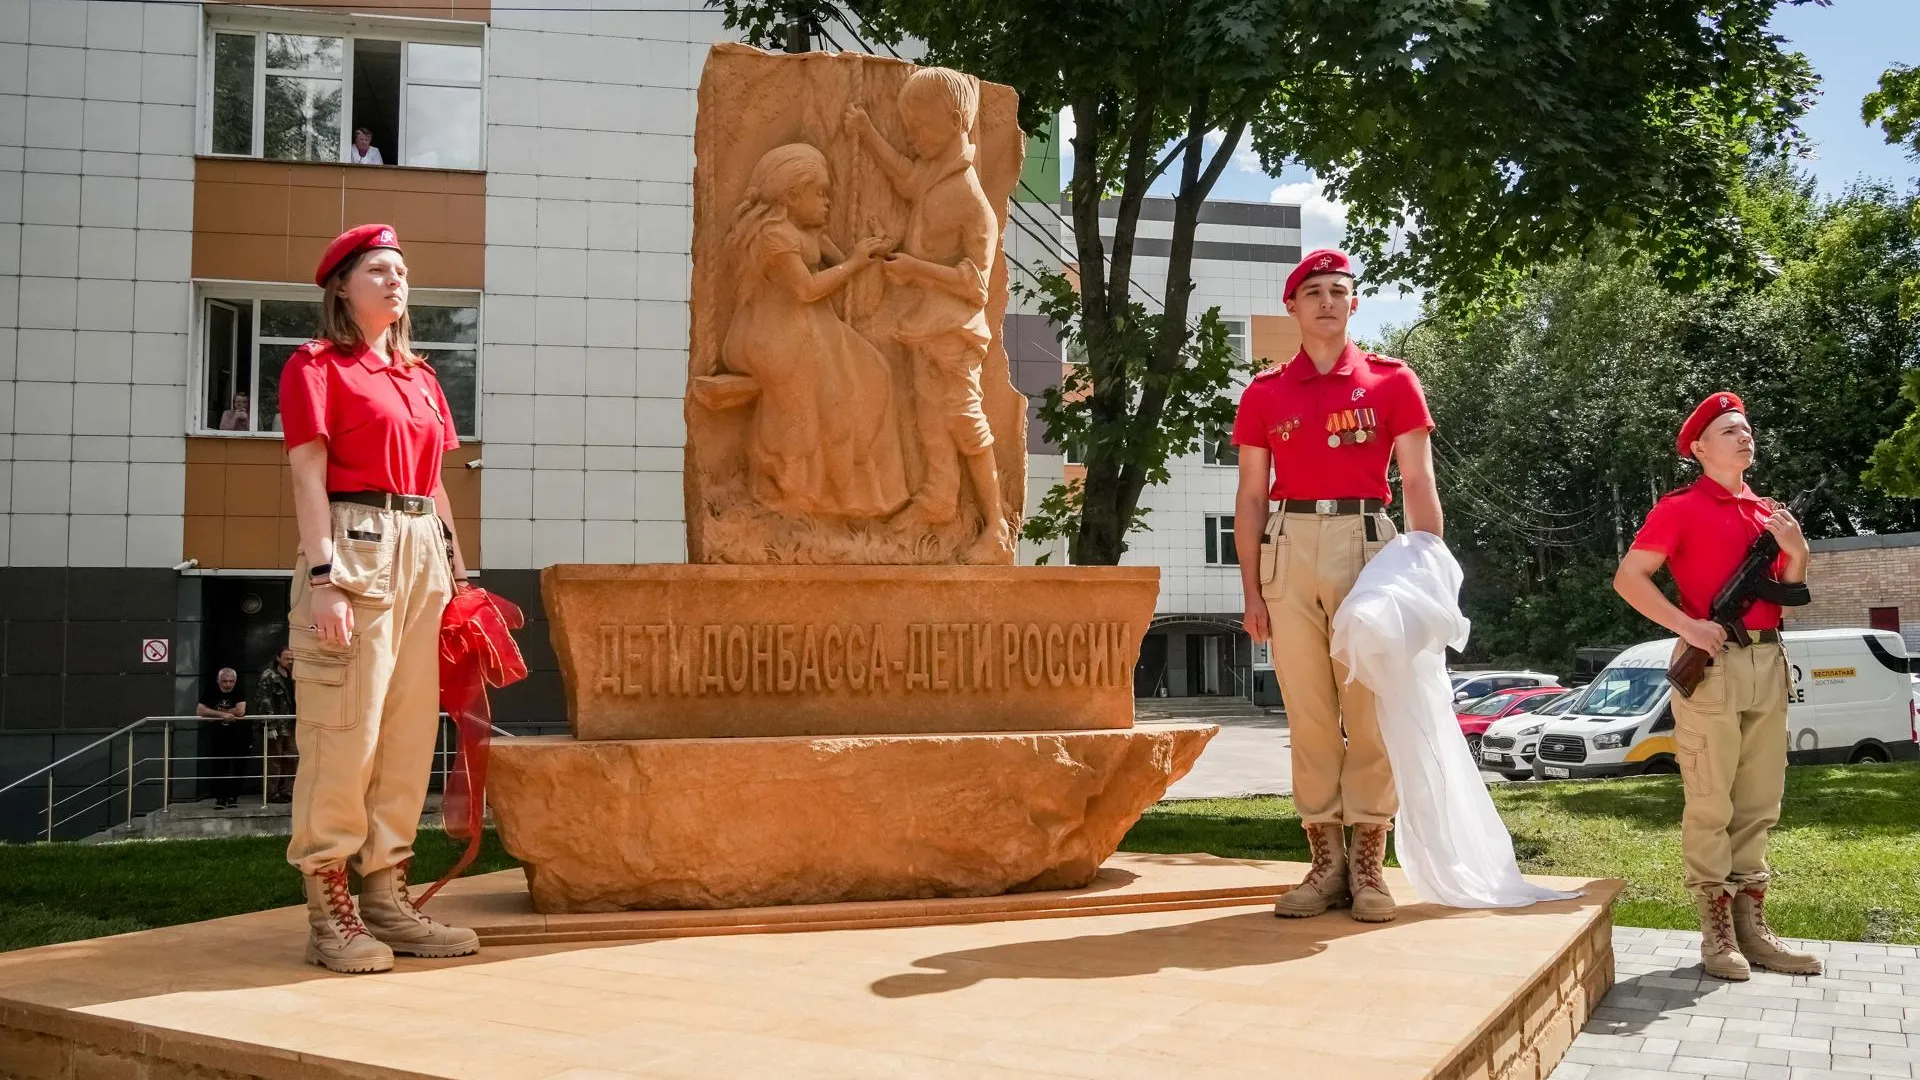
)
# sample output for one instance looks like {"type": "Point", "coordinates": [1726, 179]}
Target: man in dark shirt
{"type": "Point", "coordinates": [227, 739]}
{"type": "Point", "coordinates": [273, 696]}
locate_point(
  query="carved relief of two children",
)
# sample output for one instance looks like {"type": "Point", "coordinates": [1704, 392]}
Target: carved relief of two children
{"type": "Point", "coordinates": [826, 436]}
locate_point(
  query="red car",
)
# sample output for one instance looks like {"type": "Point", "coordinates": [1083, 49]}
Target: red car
{"type": "Point", "coordinates": [1475, 716]}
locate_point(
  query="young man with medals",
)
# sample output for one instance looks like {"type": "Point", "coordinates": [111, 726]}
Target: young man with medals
{"type": "Point", "coordinates": [1731, 730]}
{"type": "Point", "coordinates": [1316, 437]}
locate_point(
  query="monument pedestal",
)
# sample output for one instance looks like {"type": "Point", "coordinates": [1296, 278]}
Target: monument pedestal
{"type": "Point", "coordinates": [753, 822]}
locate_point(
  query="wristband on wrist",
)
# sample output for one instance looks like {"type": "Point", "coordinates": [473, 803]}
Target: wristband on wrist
{"type": "Point", "coordinates": [322, 570]}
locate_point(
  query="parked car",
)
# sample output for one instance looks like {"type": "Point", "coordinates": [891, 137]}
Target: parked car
{"type": "Point", "coordinates": [1848, 703]}
{"type": "Point", "coordinates": [1475, 716]}
{"type": "Point", "coordinates": [1474, 685]}
{"type": "Point", "coordinates": [1508, 744]}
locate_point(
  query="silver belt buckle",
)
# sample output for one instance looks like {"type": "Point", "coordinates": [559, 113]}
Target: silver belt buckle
{"type": "Point", "coordinates": [1326, 506]}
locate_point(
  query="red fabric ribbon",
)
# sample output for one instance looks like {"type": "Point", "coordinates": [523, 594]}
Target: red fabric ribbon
{"type": "Point", "coordinates": [477, 650]}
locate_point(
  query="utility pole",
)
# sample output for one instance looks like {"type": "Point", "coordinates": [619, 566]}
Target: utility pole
{"type": "Point", "coordinates": [799, 27]}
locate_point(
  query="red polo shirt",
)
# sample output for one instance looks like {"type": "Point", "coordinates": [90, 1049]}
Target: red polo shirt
{"type": "Point", "coordinates": [1331, 435]}
{"type": "Point", "coordinates": [386, 425]}
{"type": "Point", "coordinates": [1704, 530]}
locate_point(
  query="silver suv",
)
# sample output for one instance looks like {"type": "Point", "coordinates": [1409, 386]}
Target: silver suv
{"type": "Point", "coordinates": [1474, 685]}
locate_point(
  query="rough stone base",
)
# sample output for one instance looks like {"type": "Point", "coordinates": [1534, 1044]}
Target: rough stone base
{"type": "Point", "coordinates": [728, 823]}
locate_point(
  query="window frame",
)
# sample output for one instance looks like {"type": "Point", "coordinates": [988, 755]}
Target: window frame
{"type": "Point", "coordinates": [248, 293]}
{"type": "Point", "coordinates": [260, 22]}
{"type": "Point", "coordinates": [1214, 541]}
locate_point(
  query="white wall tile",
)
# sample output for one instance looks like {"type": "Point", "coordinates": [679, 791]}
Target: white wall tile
{"type": "Point", "coordinates": [558, 542]}
{"type": "Point", "coordinates": [166, 129]}
{"type": "Point", "coordinates": [660, 541]}
{"type": "Point", "coordinates": [562, 271]}
{"type": "Point", "coordinates": [49, 199]}
{"type": "Point", "coordinates": [48, 302]}
{"type": "Point", "coordinates": [160, 306]}
{"type": "Point", "coordinates": [156, 488]}
{"type": "Point", "coordinates": [666, 229]}
{"type": "Point", "coordinates": [609, 542]}
{"type": "Point", "coordinates": [13, 22]}
{"type": "Point", "coordinates": [166, 204]}
{"type": "Point", "coordinates": [661, 276]}
{"type": "Point", "coordinates": [509, 368]}
{"type": "Point", "coordinates": [102, 163]}
{"type": "Point", "coordinates": [13, 121]}
{"type": "Point", "coordinates": [559, 421]}
{"type": "Point", "coordinates": [13, 66]}
{"type": "Point", "coordinates": [6, 492]}
{"type": "Point", "coordinates": [662, 325]}
{"type": "Point", "coordinates": [511, 221]}
{"type": "Point", "coordinates": [167, 80]}
{"type": "Point", "coordinates": [172, 28]}
{"type": "Point", "coordinates": [611, 275]}
{"type": "Point", "coordinates": [153, 541]}
{"type": "Point", "coordinates": [561, 320]}
{"type": "Point", "coordinates": [58, 72]}
{"type": "Point", "coordinates": [102, 409]}
{"type": "Point", "coordinates": [612, 323]}
{"type": "Point", "coordinates": [659, 496]}
{"type": "Point", "coordinates": [111, 75]}
{"type": "Point", "coordinates": [159, 410]}
{"type": "Point", "coordinates": [105, 304]}
{"type": "Point", "coordinates": [99, 487]}
{"type": "Point", "coordinates": [612, 372]}
{"type": "Point", "coordinates": [159, 358]}
{"type": "Point", "coordinates": [610, 496]}
{"type": "Point", "coordinates": [9, 252]}
{"type": "Point", "coordinates": [610, 421]}
{"type": "Point", "coordinates": [562, 223]}
{"type": "Point", "coordinates": [511, 320]}
{"type": "Point", "coordinates": [50, 250]}
{"type": "Point", "coordinates": [560, 369]}
{"type": "Point", "coordinates": [661, 422]}
{"type": "Point", "coordinates": [54, 122]}
{"type": "Point", "coordinates": [57, 22]}
{"type": "Point", "coordinates": [613, 225]}
{"type": "Point", "coordinates": [110, 202]}
{"type": "Point", "coordinates": [506, 544]}
{"type": "Point", "coordinates": [113, 26]}
{"type": "Point", "coordinates": [166, 167]}
{"type": "Point", "coordinates": [35, 447]}
{"type": "Point", "coordinates": [506, 455]}
{"type": "Point", "coordinates": [512, 271]}
{"type": "Point", "coordinates": [42, 487]}
{"type": "Point", "coordinates": [661, 373]}
{"type": "Point", "coordinates": [506, 493]}
{"type": "Point", "coordinates": [559, 456]}
{"type": "Point", "coordinates": [105, 253]}
{"type": "Point", "coordinates": [162, 255]}
{"type": "Point", "coordinates": [513, 101]}
{"type": "Point", "coordinates": [112, 448]}
{"type": "Point", "coordinates": [558, 494]}
{"type": "Point", "coordinates": [509, 419]}
{"type": "Point", "coordinates": [37, 540]}
{"type": "Point", "coordinates": [97, 540]}
{"type": "Point", "coordinates": [164, 450]}
{"type": "Point", "coordinates": [45, 159]}
{"type": "Point", "coordinates": [9, 368]}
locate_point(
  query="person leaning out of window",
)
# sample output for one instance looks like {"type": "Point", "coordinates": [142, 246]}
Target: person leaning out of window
{"type": "Point", "coordinates": [366, 426]}
{"type": "Point", "coordinates": [363, 152]}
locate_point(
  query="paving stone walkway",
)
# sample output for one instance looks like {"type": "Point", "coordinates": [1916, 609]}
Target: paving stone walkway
{"type": "Point", "coordinates": [1665, 1018]}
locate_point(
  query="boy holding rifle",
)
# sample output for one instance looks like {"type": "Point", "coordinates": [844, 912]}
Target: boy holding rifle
{"type": "Point", "coordinates": [1731, 727]}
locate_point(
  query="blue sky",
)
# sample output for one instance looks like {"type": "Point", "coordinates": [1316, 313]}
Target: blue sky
{"type": "Point", "coordinates": [1848, 44]}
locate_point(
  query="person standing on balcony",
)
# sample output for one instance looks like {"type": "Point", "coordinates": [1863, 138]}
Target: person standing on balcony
{"type": "Point", "coordinates": [227, 739]}
{"type": "Point", "coordinates": [366, 427]}
{"type": "Point", "coordinates": [1316, 436]}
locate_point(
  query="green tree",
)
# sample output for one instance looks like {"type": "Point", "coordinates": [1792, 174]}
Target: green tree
{"type": "Point", "coordinates": [1510, 133]}
{"type": "Point", "coordinates": [1557, 414]}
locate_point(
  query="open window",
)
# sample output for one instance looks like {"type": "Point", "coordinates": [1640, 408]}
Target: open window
{"type": "Point", "coordinates": [304, 96]}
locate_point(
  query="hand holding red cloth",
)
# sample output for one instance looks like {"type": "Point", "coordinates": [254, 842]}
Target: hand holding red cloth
{"type": "Point", "coordinates": [476, 650]}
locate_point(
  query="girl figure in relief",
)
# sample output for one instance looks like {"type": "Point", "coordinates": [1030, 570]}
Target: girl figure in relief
{"type": "Point", "coordinates": [823, 439]}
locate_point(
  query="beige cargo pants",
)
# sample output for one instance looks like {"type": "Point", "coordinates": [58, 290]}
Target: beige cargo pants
{"type": "Point", "coordinates": [1307, 565]}
{"type": "Point", "coordinates": [369, 713]}
{"type": "Point", "coordinates": [1731, 741]}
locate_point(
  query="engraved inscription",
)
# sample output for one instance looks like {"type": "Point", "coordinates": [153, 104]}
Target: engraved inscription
{"type": "Point", "coordinates": [710, 659]}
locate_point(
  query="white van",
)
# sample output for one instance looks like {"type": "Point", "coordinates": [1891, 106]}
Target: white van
{"type": "Point", "coordinates": [1852, 700]}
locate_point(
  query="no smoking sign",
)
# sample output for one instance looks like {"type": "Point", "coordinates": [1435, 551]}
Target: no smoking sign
{"type": "Point", "coordinates": [153, 650]}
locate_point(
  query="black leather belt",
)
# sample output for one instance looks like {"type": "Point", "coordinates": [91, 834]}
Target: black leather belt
{"type": "Point", "coordinates": [385, 500]}
{"type": "Point", "coordinates": [1331, 506]}
{"type": "Point", "coordinates": [1764, 637]}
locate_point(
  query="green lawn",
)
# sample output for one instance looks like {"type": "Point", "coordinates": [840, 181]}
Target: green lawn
{"type": "Point", "coordinates": [1846, 860]}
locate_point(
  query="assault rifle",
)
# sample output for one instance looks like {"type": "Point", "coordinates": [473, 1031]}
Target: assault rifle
{"type": "Point", "coordinates": [1752, 581]}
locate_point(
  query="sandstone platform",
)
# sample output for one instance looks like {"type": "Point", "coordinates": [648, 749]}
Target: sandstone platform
{"type": "Point", "coordinates": [691, 651]}
{"type": "Point", "coordinates": [1197, 993]}
{"type": "Point", "coordinates": [743, 822]}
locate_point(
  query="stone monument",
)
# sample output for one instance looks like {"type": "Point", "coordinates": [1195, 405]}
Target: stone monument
{"type": "Point", "coordinates": [849, 692]}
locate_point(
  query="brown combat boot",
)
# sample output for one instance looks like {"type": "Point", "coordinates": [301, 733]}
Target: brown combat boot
{"type": "Point", "coordinates": [336, 938]}
{"type": "Point", "coordinates": [1372, 901]}
{"type": "Point", "coordinates": [1325, 885]}
{"type": "Point", "coordinates": [1761, 946]}
{"type": "Point", "coordinates": [392, 918]}
{"type": "Point", "coordinates": [1719, 948]}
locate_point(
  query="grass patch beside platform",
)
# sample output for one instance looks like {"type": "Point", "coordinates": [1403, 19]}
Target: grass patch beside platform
{"type": "Point", "coordinates": [1845, 858]}
{"type": "Point", "coordinates": [63, 892]}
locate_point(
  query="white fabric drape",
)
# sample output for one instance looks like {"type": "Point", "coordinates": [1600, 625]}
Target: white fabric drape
{"type": "Point", "coordinates": [1392, 632]}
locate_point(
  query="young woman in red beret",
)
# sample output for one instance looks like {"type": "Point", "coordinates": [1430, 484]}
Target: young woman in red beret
{"type": "Point", "coordinates": [366, 424]}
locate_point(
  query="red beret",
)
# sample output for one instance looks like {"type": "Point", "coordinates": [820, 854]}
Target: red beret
{"type": "Point", "coordinates": [1321, 261]}
{"type": "Point", "coordinates": [1724, 401]}
{"type": "Point", "coordinates": [351, 243]}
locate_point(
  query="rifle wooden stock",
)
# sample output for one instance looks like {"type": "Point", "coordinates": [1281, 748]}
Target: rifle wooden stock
{"type": "Point", "coordinates": [1686, 672]}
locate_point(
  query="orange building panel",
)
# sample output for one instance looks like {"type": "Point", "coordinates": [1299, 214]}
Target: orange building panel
{"type": "Point", "coordinates": [1273, 339]}
{"type": "Point", "coordinates": [270, 220]}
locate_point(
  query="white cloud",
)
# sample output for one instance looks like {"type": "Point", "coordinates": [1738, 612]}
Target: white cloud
{"type": "Point", "coordinates": [1323, 222]}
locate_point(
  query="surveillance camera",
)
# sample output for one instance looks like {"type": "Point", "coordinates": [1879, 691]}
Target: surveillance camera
{"type": "Point", "coordinates": [185, 566]}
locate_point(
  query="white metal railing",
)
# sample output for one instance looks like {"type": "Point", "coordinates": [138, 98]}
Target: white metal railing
{"type": "Point", "coordinates": [124, 784]}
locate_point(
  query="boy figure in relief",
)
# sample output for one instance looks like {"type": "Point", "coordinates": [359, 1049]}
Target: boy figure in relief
{"type": "Point", "coordinates": [951, 239]}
